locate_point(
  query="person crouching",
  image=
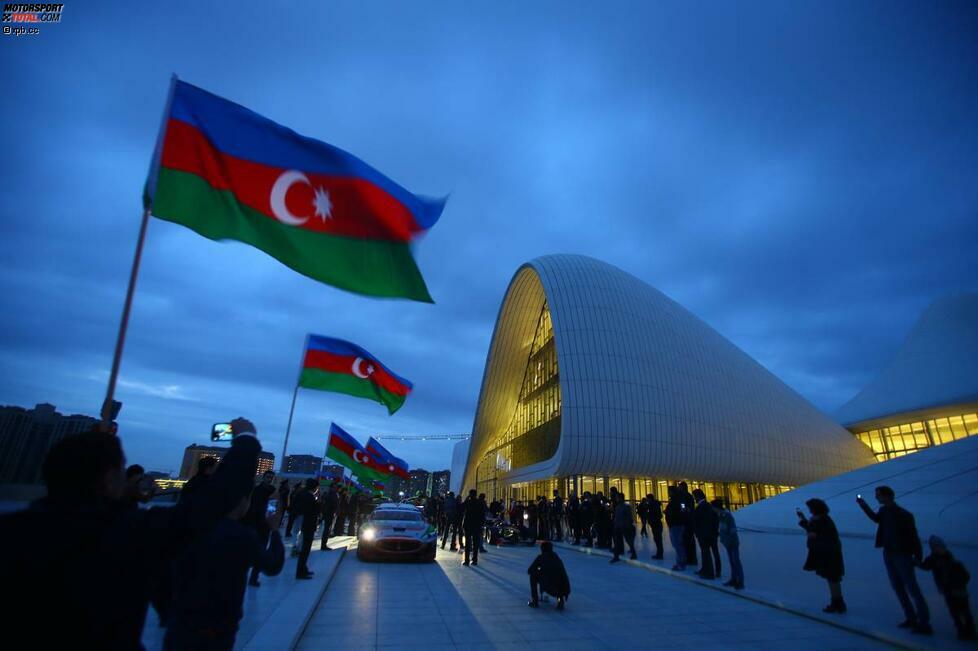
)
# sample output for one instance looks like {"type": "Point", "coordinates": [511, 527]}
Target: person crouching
{"type": "Point", "coordinates": [547, 574]}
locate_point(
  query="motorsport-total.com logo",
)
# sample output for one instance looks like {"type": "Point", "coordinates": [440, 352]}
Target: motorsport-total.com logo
{"type": "Point", "coordinates": [24, 18]}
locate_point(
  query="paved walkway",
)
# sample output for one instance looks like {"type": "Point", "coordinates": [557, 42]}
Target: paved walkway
{"type": "Point", "coordinates": [276, 612]}
{"type": "Point", "coordinates": [772, 571]}
{"type": "Point", "coordinates": [443, 605]}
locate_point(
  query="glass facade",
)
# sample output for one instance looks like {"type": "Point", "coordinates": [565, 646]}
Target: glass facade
{"type": "Point", "coordinates": [906, 438]}
{"type": "Point", "coordinates": [734, 494]}
{"type": "Point", "coordinates": [534, 431]}
{"type": "Point", "coordinates": [533, 434]}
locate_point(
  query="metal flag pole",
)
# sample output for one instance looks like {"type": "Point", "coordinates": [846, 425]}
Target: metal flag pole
{"type": "Point", "coordinates": [295, 393]}
{"type": "Point", "coordinates": [107, 413]}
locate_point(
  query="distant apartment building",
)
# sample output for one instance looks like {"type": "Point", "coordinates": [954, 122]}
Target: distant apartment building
{"type": "Point", "coordinates": [440, 481]}
{"type": "Point", "coordinates": [302, 464]}
{"type": "Point", "coordinates": [332, 470]}
{"type": "Point", "coordinates": [194, 453]}
{"type": "Point", "coordinates": [26, 435]}
{"type": "Point", "coordinates": [418, 482]}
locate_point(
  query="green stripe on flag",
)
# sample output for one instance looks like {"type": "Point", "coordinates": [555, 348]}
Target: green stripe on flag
{"type": "Point", "coordinates": [371, 267]}
{"type": "Point", "coordinates": [314, 378]}
{"type": "Point", "coordinates": [342, 458]}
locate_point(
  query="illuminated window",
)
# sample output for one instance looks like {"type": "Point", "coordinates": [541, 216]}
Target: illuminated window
{"type": "Point", "coordinates": [905, 438]}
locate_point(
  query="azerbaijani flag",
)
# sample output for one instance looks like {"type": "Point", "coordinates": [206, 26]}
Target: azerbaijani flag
{"type": "Point", "coordinates": [336, 365]}
{"type": "Point", "coordinates": [230, 174]}
{"type": "Point", "coordinates": [345, 450]}
{"type": "Point", "coordinates": [400, 465]}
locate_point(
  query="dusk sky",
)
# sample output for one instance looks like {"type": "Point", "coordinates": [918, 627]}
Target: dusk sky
{"type": "Point", "coordinates": [803, 176]}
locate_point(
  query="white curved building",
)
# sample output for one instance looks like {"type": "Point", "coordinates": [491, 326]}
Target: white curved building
{"type": "Point", "coordinates": [460, 452]}
{"type": "Point", "coordinates": [928, 393]}
{"type": "Point", "coordinates": [595, 379]}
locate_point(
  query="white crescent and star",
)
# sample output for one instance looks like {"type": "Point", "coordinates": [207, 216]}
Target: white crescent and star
{"type": "Point", "coordinates": [358, 456]}
{"type": "Point", "coordinates": [356, 368]}
{"type": "Point", "coordinates": [321, 203]}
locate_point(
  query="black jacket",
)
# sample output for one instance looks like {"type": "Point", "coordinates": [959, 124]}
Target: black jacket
{"type": "Point", "coordinates": [103, 574]}
{"type": "Point", "coordinates": [655, 514]}
{"type": "Point", "coordinates": [473, 514]}
{"type": "Point", "coordinates": [307, 506]}
{"type": "Point", "coordinates": [209, 578]}
{"type": "Point", "coordinates": [331, 501]}
{"type": "Point", "coordinates": [623, 516]}
{"type": "Point", "coordinates": [897, 531]}
{"type": "Point", "coordinates": [258, 509]}
{"type": "Point", "coordinates": [950, 575]}
{"type": "Point", "coordinates": [676, 515]}
{"type": "Point", "coordinates": [548, 569]}
{"type": "Point", "coordinates": [825, 549]}
{"type": "Point", "coordinates": [706, 522]}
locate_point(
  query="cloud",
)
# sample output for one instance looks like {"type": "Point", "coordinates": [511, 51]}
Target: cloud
{"type": "Point", "coordinates": [798, 177]}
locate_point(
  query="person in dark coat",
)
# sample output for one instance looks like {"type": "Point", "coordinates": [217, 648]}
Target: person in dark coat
{"type": "Point", "coordinates": [330, 503]}
{"type": "Point", "coordinates": [547, 574]}
{"type": "Point", "coordinates": [451, 521]}
{"type": "Point", "coordinates": [205, 468]}
{"type": "Point", "coordinates": [655, 523]}
{"type": "Point", "coordinates": [282, 502]}
{"type": "Point", "coordinates": [897, 536]}
{"type": "Point", "coordinates": [730, 541]}
{"type": "Point", "coordinates": [689, 535]}
{"type": "Point", "coordinates": [209, 583]}
{"type": "Point", "coordinates": [586, 516]}
{"type": "Point", "coordinates": [473, 519]}
{"type": "Point", "coordinates": [706, 527]}
{"type": "Point", "coordinates": [951, 579]}
{"type": "Point", "coordinates": [824, 551]}
{"type": "Point", "coordinates": [292, 515]}
{"type": "Point", "coordinates": [574, 516]}
{"type": "Point", "coordinates": [102, 575]}
{"type": "Point", "coordinates": [623, 528]}
{"type": "Point", "coordinates": [257, 515]}
{"type": "Point", "coordinates": [676, 520]}
{"type": "Point", "coordinates": [643, 515]}
{"type": "Point", "coordinates": [307, 508]}
{"type": "Point", "coordinates": [342, 507]}
{"type": "Point", "coordinates": [557, 517]}
{"type": "Point", "coordinates": [543, 518]}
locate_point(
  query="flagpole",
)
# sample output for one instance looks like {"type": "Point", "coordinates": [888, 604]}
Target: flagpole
{"type": "Point", "coordinates": [120, 341]}
{"type": "Point", "coordinates": [288, 428]}
{"type": "Point", "coordinates": [150, 190]}
{"type": "Point", "coordinates": [295, 392]}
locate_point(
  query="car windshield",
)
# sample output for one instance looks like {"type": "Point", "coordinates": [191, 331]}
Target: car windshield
{"type": "Point", "coordinates": [397, 515]}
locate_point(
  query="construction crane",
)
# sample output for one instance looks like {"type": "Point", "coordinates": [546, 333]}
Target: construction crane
{"type": "Point", "coordinates": [423, 437]}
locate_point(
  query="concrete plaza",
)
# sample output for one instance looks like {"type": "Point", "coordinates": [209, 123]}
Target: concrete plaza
{"type": "Point", "coordinates": [444, 605]}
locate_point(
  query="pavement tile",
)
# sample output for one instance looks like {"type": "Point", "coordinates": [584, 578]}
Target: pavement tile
{"type": "Point", "coordinates": [443, 605]}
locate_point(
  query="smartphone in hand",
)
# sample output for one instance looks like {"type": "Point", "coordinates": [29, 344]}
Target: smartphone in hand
{"type": "Point", "coordinates": [222, 432]}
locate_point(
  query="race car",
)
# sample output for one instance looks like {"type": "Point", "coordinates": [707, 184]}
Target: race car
{"type": "Point", "coordinates": [396, 532]}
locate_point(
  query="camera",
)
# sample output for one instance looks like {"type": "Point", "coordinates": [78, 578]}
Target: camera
{"type": "Point", "coordinates": [222, 432]}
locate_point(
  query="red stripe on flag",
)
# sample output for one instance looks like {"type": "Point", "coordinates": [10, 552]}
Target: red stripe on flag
{"type": "Point", "coordinates": [340, 444]}
{"type": "Point", "coordinates": [326, 361]}
{"type": "Point", "coordinates": [359, 208]}
{"type": "Point", "coordinates": [365, 458]}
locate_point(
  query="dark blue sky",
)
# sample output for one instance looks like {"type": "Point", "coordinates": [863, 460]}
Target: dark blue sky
{"type": "Point", "coordinates": [800, 175]}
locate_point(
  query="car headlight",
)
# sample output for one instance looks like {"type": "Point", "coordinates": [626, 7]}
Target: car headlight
{"type": "Point", "coordinates": [369, 534]}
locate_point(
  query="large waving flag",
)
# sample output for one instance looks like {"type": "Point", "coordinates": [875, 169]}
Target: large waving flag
{"type": "Point", "coordinates": [229, 173]}
{"type": "Point", "coordinates": [345, 450]}
{"type": "Point", "coordinates": [336, 365]}
{"type": "Point", "coordinates": [400, 466]}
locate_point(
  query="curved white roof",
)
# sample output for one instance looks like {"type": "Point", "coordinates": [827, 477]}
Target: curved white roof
{"type": "Point", "coordinates": [936, 366]}
{"type": "Point", "coordinates": [936, 484]}
{"type": "Point", "coordinates": [648, 389]}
